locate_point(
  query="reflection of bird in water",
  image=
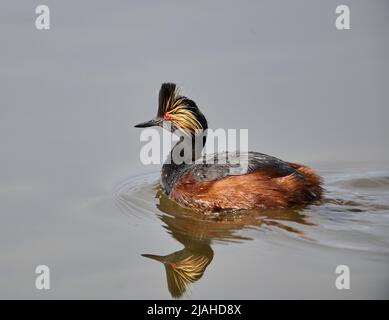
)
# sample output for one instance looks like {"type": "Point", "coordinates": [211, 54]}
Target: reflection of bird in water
{"type": "Point", "coordinates": [224, 227]}
{"type": "Point", "coordinates": [184, 267]}
{"type": "Point", "coordinates": [196, 232]}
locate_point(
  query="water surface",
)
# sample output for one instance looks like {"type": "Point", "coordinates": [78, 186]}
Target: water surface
{"type": "Point", "coordinates": [271, 253]}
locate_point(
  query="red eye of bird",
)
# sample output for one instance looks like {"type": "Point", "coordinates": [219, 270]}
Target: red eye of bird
{"type": "Point", "coordinates": [166, 116]}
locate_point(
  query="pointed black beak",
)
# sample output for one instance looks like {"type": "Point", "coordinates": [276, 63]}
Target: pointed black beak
{"type": "Point", "coordinates": [153, 122]}
{"type": "Point", "coordinates": [154, 257]}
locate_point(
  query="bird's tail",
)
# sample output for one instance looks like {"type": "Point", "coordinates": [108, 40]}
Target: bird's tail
{"type": "Point", "coordinates": [312, 183]}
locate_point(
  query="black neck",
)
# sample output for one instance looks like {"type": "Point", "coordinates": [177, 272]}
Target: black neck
{"type": "Point", "coordinates": [183, 154]}
{"type": "Point", "coordinates": [188, 149]}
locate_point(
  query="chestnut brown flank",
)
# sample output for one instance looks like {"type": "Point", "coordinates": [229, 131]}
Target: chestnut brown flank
{"type": "Point", "coordinates": [263, 188]}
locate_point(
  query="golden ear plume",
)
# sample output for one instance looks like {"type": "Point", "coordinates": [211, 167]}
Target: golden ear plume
{"type": "Point", "coordinates": [175, 107]}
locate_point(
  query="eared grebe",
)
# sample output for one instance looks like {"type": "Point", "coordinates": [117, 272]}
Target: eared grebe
{"type": "Point", "coordinates": [223, 181]}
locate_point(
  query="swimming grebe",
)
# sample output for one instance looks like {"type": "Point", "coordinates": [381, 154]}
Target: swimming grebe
{"type": "Point", "coordinates": [261, 181]}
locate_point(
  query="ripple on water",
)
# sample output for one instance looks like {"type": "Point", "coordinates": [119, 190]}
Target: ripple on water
{"type": "Point", "coordinates": [352, 218]}
{"type": "Point", "coordinates": [360, 180]}
{"type": "Point", "coordinates": [136, 195]}
{"type": "Point", "coordinates": [354, 214]}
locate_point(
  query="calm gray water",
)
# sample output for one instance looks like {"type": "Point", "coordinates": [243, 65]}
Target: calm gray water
{"type": "Point", "coordinates": [124, 243]}
{"type": "Point", "coordinates": [74, 195]}
{"type": "Point", "coordinates": [271, 253]}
